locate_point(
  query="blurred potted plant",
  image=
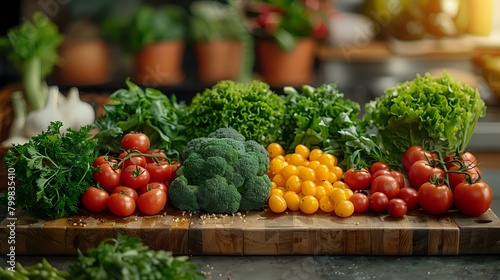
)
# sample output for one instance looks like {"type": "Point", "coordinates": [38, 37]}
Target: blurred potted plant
{"type": "Point", "coordinates": [223, 44]}
{"type": "Point", "coordinates": [286, 31]}
{"type": "Point", "coordinates": [155, 36]}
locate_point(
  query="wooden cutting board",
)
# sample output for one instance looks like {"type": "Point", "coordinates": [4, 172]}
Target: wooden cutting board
{"type": "Point", "coordinates": [262, 233]}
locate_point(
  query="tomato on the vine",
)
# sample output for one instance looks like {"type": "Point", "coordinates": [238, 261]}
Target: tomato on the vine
{"type": "Point", "coordinates": [413, 154]}
{"type": "Point", "coordinates": [132, 159]}
{"type": "Point", "coordinates": [387, 185]}
{"type": "Point", "coordinates": [457, 176]}
{"type": "Point", "coordinates": [95, 199]}
{"type": "Point", "coordinates": [152, 202]}
{"type": "Point", "coordinates": [121, 204]}
{"type": "Point", "coordinates": [159, 171]}
{"type": "Point", "coordinates": [136, 141]}
{"type": "Point", "coordinates": [156, 156]}
{"type": "Point", "coordinates": [422, 172]}
{"type": "Point", "coordinates": [104, 159]}
{"type": "Point", "coordinates": [357, 179]}
{"type": "Point", "coordinates": [106, 176]}
{"type": "Point", "coordinates": [473, 198]}
{"type": "Point", "coordinates": [397, 208]}
{"type": "Point", "coordinates": [466, 159]}
{"type": "Point", "coordinates": [127, 191]}
{"type": "Point", "coordinates": [378, 201]}
{"type": "Point", "coordinates": [435, 199]}
{"type": "Point", "coordinates": [410, 197]}
{"type": "Point", "coordinates": [135, 176]}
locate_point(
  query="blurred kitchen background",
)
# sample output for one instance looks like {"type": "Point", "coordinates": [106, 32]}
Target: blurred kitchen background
{"type": "Point", "coordinates": [364, 46]}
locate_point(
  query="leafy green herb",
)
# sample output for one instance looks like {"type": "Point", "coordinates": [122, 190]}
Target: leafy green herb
{"type": "Point", "coordinates": [440, 113]}
{"type": "Point", "coordinates": [32, 47]}
{"type": "Point", "coordinates": [128, 258]}
{"type": "Point", "coordinates": [53, 170]}
{"type": "Point", "coordinates": [148, 111]}
{"type": "Point", "coordinates": [253, 109]}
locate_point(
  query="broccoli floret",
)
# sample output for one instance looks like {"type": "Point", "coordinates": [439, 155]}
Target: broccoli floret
{"type": "Point", "coordinates": [219, 147]}
{"type": "Point", "coordinates": [247, 165]}
{"type": "Point", "coordinates": [227, 132]}
{"type": "Point", "coordinates": [182, 195]}
{"type": "Point", "coordinates": [252, 147]}
{"type": "Point", "coordinates": [255, 193]}
{"type": "Point", "coordinates": [194, 169]}
{"type": "Point", "coordinates": [194, 145]}
{"type": "Point", "coordinates": [215, 195]}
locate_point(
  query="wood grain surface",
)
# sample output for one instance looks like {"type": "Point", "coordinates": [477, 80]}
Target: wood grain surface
{"type": "Point", "coordinates": [263, 233]}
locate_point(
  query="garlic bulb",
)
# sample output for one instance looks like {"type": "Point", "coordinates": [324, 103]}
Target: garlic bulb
{"type": "Point", "coordinates": [76, 112]}
{"type": "Point", "coordinates": [39, 120]}
{"type": "Point", "coordinates": [16, 132]}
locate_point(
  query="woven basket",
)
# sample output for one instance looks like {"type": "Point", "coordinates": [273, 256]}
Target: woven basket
{"type": "Point", "coordinates": [7, 116]}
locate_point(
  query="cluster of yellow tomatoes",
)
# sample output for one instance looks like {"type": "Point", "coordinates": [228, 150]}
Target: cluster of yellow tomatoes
{"type": "Point", "coordinates": [307, 180]}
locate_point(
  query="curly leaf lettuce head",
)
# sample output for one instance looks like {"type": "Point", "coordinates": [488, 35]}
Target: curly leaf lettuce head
{"type": "Point", "coordinates": [438, 113]}
{"type": "Point", "coordinates": [253, 109]}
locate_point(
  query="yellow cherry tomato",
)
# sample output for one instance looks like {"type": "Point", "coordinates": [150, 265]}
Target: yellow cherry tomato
{"type": "Point", "coordinates": [297, 159]}
{"type": "Point", "coordinates": [328, 159]}
{"type": "Point", "coordinates": [278, 192]}
{"type": "Point", "coordinates": [309, 204]}
{"type": "Point", "coordinates": [337, 170]}
{"type": "Point", "coordinates": [348, 193]}
{"type": "Point", "coordinates": [277, 204]}
{"type": "Point", "coordinates": [313, 164]}
{"type": "Point", "coordinates": [320, 192]}
{"type": "Point", "coordinates": [315, 154]}
{"type": "Point", "coordinates": [326, 204]}
{"type": "Point", "coordinates": [290, 170]}
{"type": "Point", "coordinates": [279, 180]}
{"type": "Point", "coordinates": [307, 174]}
{"type": "Point", "coordinates": [340, 185]}
{"type": "Point", "coordinates": [274, 150]}
{"type": "Point", "coordinates": [322, 172]}
{"type": "Point", "coordinates": [337, 195]}
{"type": "Point", "coordinates": [294, 183]}
{"type": "Point", "coordinates": [309, 188]}
{"type": "Point", "coordinates": [276, 165]}
{"type": "Point", "coordinates": [292, 200]}
{"type": "Point", "coordinates": [344, 208]}
{"type": "Point", "coordinates": [303, 150]}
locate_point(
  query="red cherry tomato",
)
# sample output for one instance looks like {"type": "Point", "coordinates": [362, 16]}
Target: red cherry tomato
{"type": "Point", "coordinates": [410, 197]}
{"type": "Point", "coordinates": [386, 184]}
{"type": "Point", "coordinates": [127, 191]}
{"type": "Point", "coordinates": [152, 202]}
{"type": "Point", "coordinates": [136, 141]}
{"type": "Point", "coordinates": [378, 165]}
{"type": "Point", "coordinates": [104, 159]}
{"type": "Point", "coordinates": [435, 199]}
{"type": "Point", "coordinates": [413, 154]}
{"type": "Point", "coordinates": [380, 172]}
{"type": "Point", "coordinates": [378, 201]}
{"type": "Point", "coordinates": [152, 186]}
{"type": "Point", "coordinates": [135, 176]}
{"type": "Point", "coordinates": [159, 171]}
{"type": "Point", "coordinates": [357, 179]}
{"type": "Point", "coordinates": [473, 199]}
{"type": "Point", "coordinates": [397, 208]}
{"type": "Point", "coordinates": [399, 176]}
{"type": "Point", "coordinates": [422, 172]}
{"type": "Point", "coordinates": [95, 199]}
{"type": "Point", "coordinates": [106, 176]}
{"type": "Point", "coordinates": [461, 159]}
{"type": "Point", "coordinates": [360, 201]}
{"type": "Point", "coordinates": [121, 204]}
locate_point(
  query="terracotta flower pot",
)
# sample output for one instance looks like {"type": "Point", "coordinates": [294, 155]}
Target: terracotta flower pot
{"type": "Point", "coordinates": [280, 68]}
{"type": "Point", "coordinates": [159, 63]}
{"type": "Point", "coordinates": [84, 63]}
{"type": "Point", "coordinates": [218, 60]}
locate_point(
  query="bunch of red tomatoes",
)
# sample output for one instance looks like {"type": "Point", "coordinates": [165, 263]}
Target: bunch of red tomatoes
{"type": "Point", "coordinates": [137, 178]}
{"type": "Point", "coordinates": [433, 183]}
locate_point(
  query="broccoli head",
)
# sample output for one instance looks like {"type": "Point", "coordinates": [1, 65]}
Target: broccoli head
{"type": "Point", "coordinates": [229, 172]}
{"type": "Point", "coordinates": [215, 195]}
{"type": "Point", "coordinates": [182, 195]}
